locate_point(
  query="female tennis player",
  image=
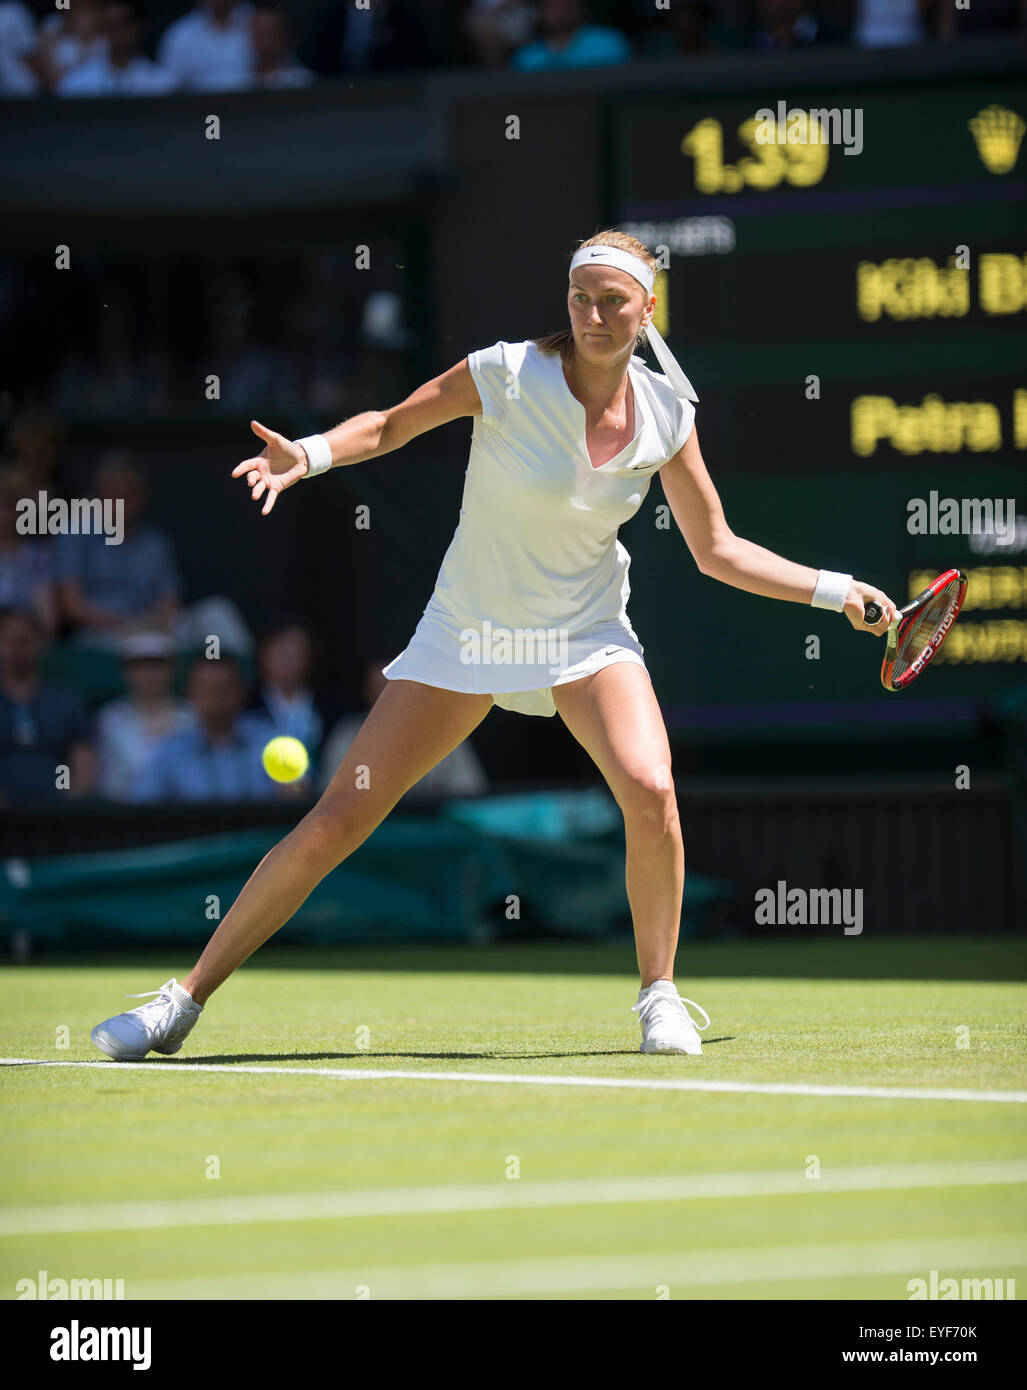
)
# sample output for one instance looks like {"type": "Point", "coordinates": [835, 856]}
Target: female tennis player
{"type": "Point", "coordinates": [528, 613]}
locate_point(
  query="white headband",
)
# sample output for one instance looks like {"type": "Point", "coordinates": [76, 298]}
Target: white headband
{"type": "Point", "coordinates": [638, 270]}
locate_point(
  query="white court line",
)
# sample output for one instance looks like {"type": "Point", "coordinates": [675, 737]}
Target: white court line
{"type": "Point", "coordinates": [645, 1273]}
{"type": "Point", "coordinates": [775, 1088]}
{"type": "Point", "coordinates": [419, 1201]}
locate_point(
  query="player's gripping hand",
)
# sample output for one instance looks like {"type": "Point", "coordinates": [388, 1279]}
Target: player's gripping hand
{"type": "Point", "coordinates": [855, 606]}
{"type": "Point", "coordinates": [278, 465]}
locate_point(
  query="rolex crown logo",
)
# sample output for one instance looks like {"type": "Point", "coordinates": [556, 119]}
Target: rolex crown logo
{"type": "Point", "coordinates": [997, 133]}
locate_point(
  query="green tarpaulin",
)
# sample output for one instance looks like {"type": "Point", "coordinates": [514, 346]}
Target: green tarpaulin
{"type": "Point", "coordinates": [546, 862]}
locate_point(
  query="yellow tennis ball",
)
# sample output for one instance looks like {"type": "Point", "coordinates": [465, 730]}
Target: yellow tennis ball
{"type": "Point", "coordinates": [285, 759]}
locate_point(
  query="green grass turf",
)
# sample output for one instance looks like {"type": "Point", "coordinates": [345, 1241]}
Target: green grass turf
{"type": "Point", "coordinates": [850, 1012]}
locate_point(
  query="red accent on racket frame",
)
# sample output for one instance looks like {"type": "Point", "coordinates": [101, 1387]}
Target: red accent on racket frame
{"type": "Point", "coordinates": [909, 616]}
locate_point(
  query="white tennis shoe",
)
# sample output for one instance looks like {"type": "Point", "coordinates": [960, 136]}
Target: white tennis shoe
{"type": "Point", "coordinates": [162, 1025]}
{"type": "Point", "coordinates": [667, 1026]}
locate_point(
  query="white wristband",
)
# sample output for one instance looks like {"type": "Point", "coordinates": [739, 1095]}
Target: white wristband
{"type": "Point", "coordinates": [832, 590]}
{"type": "Point", "coordinates": [318, 452]}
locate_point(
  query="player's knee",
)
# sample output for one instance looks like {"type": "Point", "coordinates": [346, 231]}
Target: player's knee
{"type": "Point", "coordinates": [648, 799]}
{"type": "Point", "coordinates": [337, 825]}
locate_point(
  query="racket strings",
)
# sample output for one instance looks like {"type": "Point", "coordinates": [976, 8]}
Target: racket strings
{"type": "Point", "coordinates": [924, 629]}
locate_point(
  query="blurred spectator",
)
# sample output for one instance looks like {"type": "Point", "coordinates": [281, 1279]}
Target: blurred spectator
{"type": "Point", "coordinates": [211, 48]}
{"type": "Point", "coordinates": [42, 727]}
{"type": "Point", "coordinates": [275, 63]}
{"type": "Point", "coordinates": [106, 590]}
{"type": "Point", "coordinates": [213, 616]}
{"type": "Point", "coordinates": [342, 39]}
{"type": "Point", "coordinates": [784, 24]}
{"type": "Point", "coordinates": [392, 34]}
{"type": "Point", "coordinates": [888, 23]}
{"type": "Point", "coordinates": [69, 38]}
{"type": "Point", "coordinates": [567, 40]}
{"type": "Point", "coordinates": [17, 45]}
{"type": "Point", "coordinates": [495, 28]}
{"type": "Point", "coordinates": [122, 69]}
{"type": "Point", "coordinates": [285, 662]}
{"type": "Point", "coordinates": [218, 758]}
{"type": "Point", "coordinates": [26, 562]}
{"type": "Point", "coordinates": [37, 445]}
{"type": "Point", "coordinates": [381, 323]}
{"type": "Point", "coordinates": [130, 728]}
{"type": "Point", "coordinates": [458, 774]}
{"type": "Point", "coordinates": [687, 26]}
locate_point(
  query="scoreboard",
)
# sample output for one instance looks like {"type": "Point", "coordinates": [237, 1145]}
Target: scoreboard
{"type": "Point", "coordinates": [845, 284]}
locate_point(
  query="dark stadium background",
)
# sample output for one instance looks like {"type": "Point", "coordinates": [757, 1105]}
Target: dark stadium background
{"type": "Point", "coordinates": [235, 257]}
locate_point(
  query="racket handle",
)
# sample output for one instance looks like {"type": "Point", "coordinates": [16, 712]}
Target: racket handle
{"type": "Point", "coordinates": [872, 613]}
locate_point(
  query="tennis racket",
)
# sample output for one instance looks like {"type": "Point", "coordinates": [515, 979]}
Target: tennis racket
{"type": "Point", "coordinates": [920, 629]}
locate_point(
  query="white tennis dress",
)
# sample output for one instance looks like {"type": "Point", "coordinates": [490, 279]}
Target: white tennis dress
{"type": "Point", "coordinates": [533, 589]}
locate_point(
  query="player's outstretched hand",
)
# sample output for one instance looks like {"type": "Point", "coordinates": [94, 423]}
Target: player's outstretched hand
{"type": "Point", "coordinates": [855, 606]}
{"type": "Point", "coordinates": [278, 465]}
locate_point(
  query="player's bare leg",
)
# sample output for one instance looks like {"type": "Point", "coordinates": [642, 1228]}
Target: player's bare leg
{"type": "Point", "coordinates": [410, 729]}
{"type": "Point", "coordinates": [616, 718]}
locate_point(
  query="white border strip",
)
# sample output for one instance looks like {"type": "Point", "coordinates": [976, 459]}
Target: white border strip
{"type": "Point", "coordinates": [420, 1201]}
{"type": "Point", "coordinates": [783, 1088]}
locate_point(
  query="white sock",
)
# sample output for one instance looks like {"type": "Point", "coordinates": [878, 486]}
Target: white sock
{"type": "Point", "coordinates": [184, 998]}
